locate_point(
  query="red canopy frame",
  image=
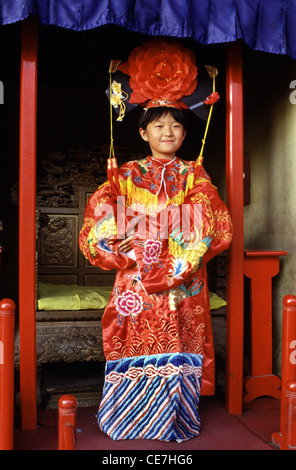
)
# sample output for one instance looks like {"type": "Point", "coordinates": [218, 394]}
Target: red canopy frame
{"type": "Point", "coordinates": [27, 226]}
{"type": "Point", "coordinates": [235, 203]}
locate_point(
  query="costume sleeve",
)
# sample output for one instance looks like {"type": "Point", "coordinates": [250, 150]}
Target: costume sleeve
{"type": "Point", "coordinates": [203, 230]}
{"type": "Point", "coordinates": [216, 224]}
{"type": "Point", "coordinates": [100, 235]}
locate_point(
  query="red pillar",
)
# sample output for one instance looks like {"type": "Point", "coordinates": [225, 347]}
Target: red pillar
{"type": "Point", "coordinates": [7, 329]}
{"type": "Point", "coordinates": [286, 438]}
{"type": "Point", "coordinates": [27, 224]}
{"type": "Point", "coordinates": [288, 372]}
{"type": "Point", "coordinates": [235, 203]}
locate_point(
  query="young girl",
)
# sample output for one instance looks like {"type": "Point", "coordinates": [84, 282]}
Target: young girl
{"type": "Point", "coordinates": [156, 328]}
{"type": "Point", "coordinates": [164, 129]}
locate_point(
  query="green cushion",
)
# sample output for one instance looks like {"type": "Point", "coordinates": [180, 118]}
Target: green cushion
{"type": "Point", "coordinates": [216, 301]}
{"type": "Point", "coordinates": [64, 297]}
{"type": "Point", "coordinates": [73, 297]}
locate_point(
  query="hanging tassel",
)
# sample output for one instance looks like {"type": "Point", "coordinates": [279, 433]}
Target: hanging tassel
{"type": "Point", "coordinates": [210, 100]}
{"type": "Point", "coordinates": [112, 167]}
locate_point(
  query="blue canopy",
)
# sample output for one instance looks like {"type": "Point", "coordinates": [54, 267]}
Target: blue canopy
{"type": "Point", "coordinates": [265, 25]}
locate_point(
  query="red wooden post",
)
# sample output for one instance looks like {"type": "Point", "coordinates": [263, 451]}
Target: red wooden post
{"type": "Point", "coordinates": [7, 331]}
{"type": "Point", "coordinates": [290, 411]}
{"type": "Point", "coordinates": [27, 225]}
{"type": "Point", "coordinates": [67, 423]}
{"type": "Point", "coordinates": [235, 203]}
{"type": "Point", "coordinates": [261, 266]}
{"type": "Point", "coordinates": [286, 436]}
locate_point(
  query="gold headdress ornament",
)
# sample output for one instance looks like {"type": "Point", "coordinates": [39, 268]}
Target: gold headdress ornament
{"type": "Point", "coordinates": [162, 73]}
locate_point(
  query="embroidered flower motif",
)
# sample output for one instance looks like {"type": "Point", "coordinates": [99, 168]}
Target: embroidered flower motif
{"type": "Point", "coordinates": [128, 304]}
{"type": "Point", "coordinates": [138, 179]}
{"type": "Point", "coordinates": [151, 253]}
{"type": "Point", "coordinates": [152, 250]}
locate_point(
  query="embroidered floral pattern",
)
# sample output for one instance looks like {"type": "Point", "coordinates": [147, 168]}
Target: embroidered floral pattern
{"type": "Point", "coordinates": [152, 250]}
{"type": "Point", "coordinates": [128, 304]}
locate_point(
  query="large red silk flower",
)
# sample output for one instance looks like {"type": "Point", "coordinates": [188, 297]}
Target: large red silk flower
{"type": "Point", "coordinates": [160, 69]}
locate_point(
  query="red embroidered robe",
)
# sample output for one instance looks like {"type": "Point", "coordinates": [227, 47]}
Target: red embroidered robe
{"type": "Point", "coordinates": [160, 300]}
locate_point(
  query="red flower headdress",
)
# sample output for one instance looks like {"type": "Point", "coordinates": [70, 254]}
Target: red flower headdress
{"type": "Point", "coordinates": [161, 73]}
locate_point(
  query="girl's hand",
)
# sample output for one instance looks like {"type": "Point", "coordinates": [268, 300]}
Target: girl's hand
{"type": "Point", "coordinates": [125, 245]}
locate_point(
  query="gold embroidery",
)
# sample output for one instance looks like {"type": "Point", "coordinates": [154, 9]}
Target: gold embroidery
{"type": "Point", "coordinates": [192, 253]}
{"type": "Point", "coordinates": [92, 241]}
{"type": "Point", "coordinates": [167, 332]}
{"type": "Point", "coordinates": [175, 296]}
{"type": "Point", "coordinates": [106, 228]}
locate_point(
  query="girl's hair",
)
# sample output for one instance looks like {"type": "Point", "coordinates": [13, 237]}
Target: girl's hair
{"type": "Point", "coordinates": [153, 114]}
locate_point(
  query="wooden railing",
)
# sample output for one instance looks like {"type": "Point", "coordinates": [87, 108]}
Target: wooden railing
{"type": "Point", "coordinates": [285, 439]}
{"type": "Point", "coordinates": [67, 423]}
{"type": "Point", "coordinates": [7, 332]}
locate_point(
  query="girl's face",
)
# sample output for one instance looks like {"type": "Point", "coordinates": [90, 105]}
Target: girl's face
{"type": "Point", "coordinates": [164, 135]}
